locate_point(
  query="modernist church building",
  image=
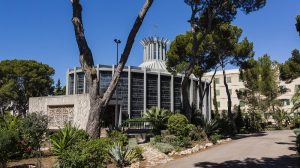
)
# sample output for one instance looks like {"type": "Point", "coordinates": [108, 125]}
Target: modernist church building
{"type": "Point", "coordinates": [139, 88]}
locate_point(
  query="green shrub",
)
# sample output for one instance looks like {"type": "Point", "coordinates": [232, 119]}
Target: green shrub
{"type": "Point", "coordinates": [139, 152]}
{"type": "Point", "coordinates": [66, 138]}
{"type": "Point", "coordinates": [164, 147]}
{"type": "Point", "coordinates": [193, 132]}
{"type": "Point", "coordinates": [177, 124]}
{"type": "Point", "coordinates": [170, 139]}
{"type": "Point", "coordinates": [215, 137]}
{"type": "Point", "coordinates": [118, 137]}
{"type": "Point", "coordinates": [8, 147]}
{"type": "Point", "coordinates": [124, 156]}
{"type": "Point", "coordinates": [181, 141]}
{"type": "Point", "coordinates": [87, 154]}
{"type": "Point", "coordinates": [296, 121]}
{"type": "Point", "coordinates": [158, 118]}
{"type": "Point", "coordinates": [30, 130]}
{"type": "Point", "coordinates": [157, 138]}
{"type": "Point", "coordinates": [33, 129]}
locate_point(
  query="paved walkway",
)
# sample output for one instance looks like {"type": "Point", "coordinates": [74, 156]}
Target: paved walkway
{"type": "Point", "coordinates": [275, 149]}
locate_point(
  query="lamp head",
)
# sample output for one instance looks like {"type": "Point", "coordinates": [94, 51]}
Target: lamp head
{"type": "Point", "coordinates": [117, 41]}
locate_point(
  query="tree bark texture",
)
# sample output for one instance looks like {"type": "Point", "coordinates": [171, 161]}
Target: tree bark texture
{"type": "Point", "coordinates": [97, 104]}
{"type": "Point", "coordinates": [229, 102]}
{"type": "Point", "coordinates": [204, 91]}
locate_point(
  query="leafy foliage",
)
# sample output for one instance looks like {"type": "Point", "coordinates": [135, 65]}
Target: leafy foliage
{"type": "Point", "coordinates": [215, 137]}
{"type": "Point", "coordinates": [253, 122]}
{"type": "Point", "coordinates": [296, 121]}
{"type": "Point", "coordinates": [118, 137]}
{"type": "Point", "coordinates": [21, 79]}
{"type": "Point", "coordinates": [26, 133]}
{"type": "Point", "coordinates": [87, 154]}
{"type": "Point", "coordinates": [280, 116]}
{"type": "Point", "coordinates": [290, 70]}
{"type": "Point", "coordinates": [297, 132]}
{"type": "Point", "coordinates": [33, 130]}
{"type": "Point", "coordinates": [296, 100]}
{"type": "Point", "coordinates": [298, 23]}
{"type": "Point", "coordinates": [66, 137]}
{"type": "Point", "coordinates": [8, 144]}
{"type": "Point", "coordinates": [261, 85]}
{"type": "Point", "coordinates": [195, 51]}
{"type": "Point", "coordinates": [158, 118]}
{"type": "Point", "coordinates": [164, 147]}
{"type": "Point", "coordinates": [59, 90]}
{"type": "Point", "coordinates": [177, 124]}
{"type": "Point", "coordinates": [239, 119]}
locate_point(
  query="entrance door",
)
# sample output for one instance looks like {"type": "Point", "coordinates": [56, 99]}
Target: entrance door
{"type": "Point", "coordinates": [108, 119]}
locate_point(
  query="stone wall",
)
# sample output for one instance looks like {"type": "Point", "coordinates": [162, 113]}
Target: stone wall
{"type": "Point", "coordinates": [61, 109]}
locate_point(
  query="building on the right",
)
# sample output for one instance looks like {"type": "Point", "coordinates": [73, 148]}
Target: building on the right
{"type": "Point", "coordinates": [235, 83]}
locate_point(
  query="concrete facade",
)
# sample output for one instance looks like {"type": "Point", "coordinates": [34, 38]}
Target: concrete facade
{"type": "Point", "coordinates": [62, 109]}
{"type": "Point", "coordinates": [138, 89]}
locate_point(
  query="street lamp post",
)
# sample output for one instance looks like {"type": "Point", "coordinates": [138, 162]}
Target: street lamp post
{"type": "Point", "coordinates": [117, 115]}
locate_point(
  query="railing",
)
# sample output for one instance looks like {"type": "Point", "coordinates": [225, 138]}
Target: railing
{"type": "Point", "coordinates": [138, 125]}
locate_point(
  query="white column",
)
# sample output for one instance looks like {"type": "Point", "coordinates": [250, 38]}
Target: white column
{"type": "Point", "coordinates": [172, 93]}
{"type": "Point", "coordinates": [67, 81]}
{"type": "Point", "coordinates": [75, 81]}
{"type": "Point", "coordinates": [156, 50]}
{"type": "Point", "coordinates": [151, 51]}
{"type": "Point", "coordinates": [144, 53]}
{"type": "Point", "coordinates": [84, 84]}
{"type": "Point", "coordinates": [148, 52]}
{"type": "Point", "coordinates": [158, 90]}
{"type": "Point", "coordinates": [209, 103]}
{"type": "Point", "coordinates": [145, 91]}
{"type": "Point", "coordinates": [129, 91]}
{"type": "Point", "coordinates": [164, 51]}
{"type": "Point", "coordinates": [149, 45]}
{"type": "Point", "coordinates": [204, 108]}
{"type": "Point", "coordinates": [160, 51]}
{"type": "Point", "coordinates": [191, 91]}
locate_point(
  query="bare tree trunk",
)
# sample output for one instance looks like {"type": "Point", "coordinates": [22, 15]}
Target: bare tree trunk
{"type": "Point", "coordinates": [98, 105]}
{"type": "Point", "coordinates": [203, 92]}
{"type": "Point", "coordinates": [229, 102]}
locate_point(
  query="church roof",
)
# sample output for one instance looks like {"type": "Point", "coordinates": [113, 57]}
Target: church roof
{"type": "Point", "coordinates": [154, 64]}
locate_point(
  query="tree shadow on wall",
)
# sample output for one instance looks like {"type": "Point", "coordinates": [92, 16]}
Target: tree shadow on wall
{"type": "Point", "coordinates": [292, 161]}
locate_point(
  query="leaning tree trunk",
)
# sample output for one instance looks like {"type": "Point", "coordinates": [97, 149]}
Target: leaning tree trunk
{"type": "Point", "coordinates": [97, 104]}
{"type": "Point", "coordinates": [229, 103]}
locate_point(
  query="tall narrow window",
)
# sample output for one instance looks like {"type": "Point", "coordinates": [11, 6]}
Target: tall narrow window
{"type": "Point", "coordinates": [217, 80]}
{"type": "Point", "coordinates": [228, 79]}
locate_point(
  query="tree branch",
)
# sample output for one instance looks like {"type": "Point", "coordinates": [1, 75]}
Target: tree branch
{"type": "Point", "coordinates": [124, 57]}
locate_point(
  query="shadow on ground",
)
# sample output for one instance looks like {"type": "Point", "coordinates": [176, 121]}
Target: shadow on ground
{"type": "Point", "coordinates": [240, 136]}
{"type": "Point", "coordinates": [292, 161]}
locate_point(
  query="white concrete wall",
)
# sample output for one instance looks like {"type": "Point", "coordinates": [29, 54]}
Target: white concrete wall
{"type": "Point", "coordinates": [80, 102]}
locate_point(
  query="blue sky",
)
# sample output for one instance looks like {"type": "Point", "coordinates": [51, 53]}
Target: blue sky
{"type": "Point", "coordinates": [42, 30]}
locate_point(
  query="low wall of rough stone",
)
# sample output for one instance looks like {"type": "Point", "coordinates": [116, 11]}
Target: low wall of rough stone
{"type": "Point", "coordinates": [62, 109]}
